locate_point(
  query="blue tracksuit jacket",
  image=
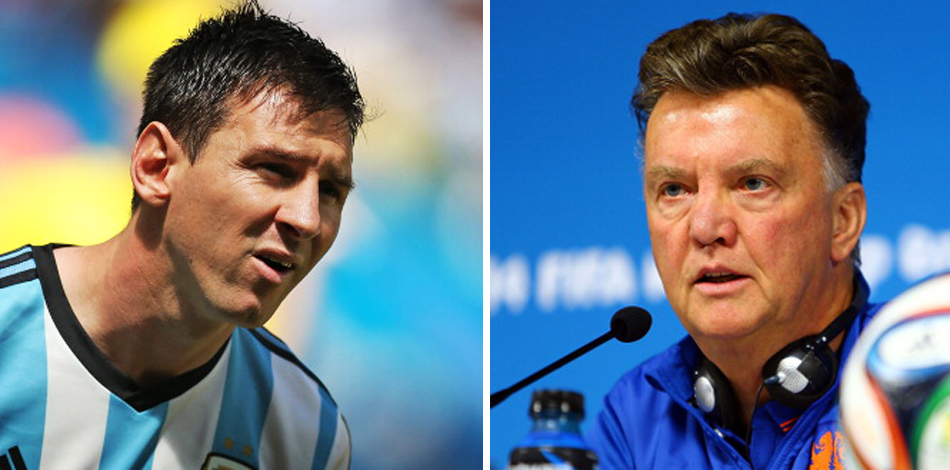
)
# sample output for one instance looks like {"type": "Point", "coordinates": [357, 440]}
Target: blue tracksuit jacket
{"type": "Point", "coordinates": [647, 422]}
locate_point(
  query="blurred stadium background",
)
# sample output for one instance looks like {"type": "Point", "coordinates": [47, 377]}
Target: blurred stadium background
{"type": "Point", "coordinates": [391, 320]}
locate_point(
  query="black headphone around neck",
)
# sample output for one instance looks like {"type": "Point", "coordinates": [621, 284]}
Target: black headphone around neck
{"type": "Point", "coordinates": [796, 376]}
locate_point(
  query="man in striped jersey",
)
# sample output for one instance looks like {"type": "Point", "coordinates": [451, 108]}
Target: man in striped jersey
{"type": "Point", "coordinates": [147, 351]}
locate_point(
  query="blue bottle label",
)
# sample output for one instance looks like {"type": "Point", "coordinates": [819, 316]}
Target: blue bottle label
{"type": "Point", "coordinates": [552, 458]}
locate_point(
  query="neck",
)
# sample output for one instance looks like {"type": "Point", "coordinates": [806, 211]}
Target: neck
{"type": "Point", "coordinates": [121, 294]}
{"type": "Point", "coordinates": [741, 360]}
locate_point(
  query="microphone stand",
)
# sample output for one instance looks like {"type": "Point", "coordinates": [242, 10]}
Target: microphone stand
{"type": "Point", "coordinates": [501, 395]}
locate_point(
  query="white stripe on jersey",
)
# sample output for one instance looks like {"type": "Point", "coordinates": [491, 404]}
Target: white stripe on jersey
{"type": "Point", "coordinates": [72, 396]}
{"type": "Point", "coordinates": [293, 393]}
{"type": "Point", "coordinates": [188, 433]}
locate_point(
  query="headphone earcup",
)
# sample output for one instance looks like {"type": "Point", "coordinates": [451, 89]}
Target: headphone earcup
{"type": "Point", "coordinates": [806, 370]}
{"type": "Point", "coordinates": [713, 395]}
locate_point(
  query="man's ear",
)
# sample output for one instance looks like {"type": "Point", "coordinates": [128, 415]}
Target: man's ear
{"type": "Point", "coordinates": [850, 214]}
{"type": "Point", "coordinates": [155, 156]}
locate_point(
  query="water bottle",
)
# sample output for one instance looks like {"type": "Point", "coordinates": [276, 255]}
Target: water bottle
{"type": "Point", "coordinates": [555, 441]}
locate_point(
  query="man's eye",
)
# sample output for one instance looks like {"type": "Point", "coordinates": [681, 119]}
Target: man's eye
{"type": "Point", "coordinates": [672, 190]}
{"type": "Point", "coordinates": [275, 168]}
{"type": "Point", "coordinates": [754, 184]}
{"type": "Point", "coordinates": [330, 189]}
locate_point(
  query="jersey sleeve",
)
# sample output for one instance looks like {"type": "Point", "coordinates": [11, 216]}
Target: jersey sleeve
{"type": "Point", "coordinates": [339, 458]}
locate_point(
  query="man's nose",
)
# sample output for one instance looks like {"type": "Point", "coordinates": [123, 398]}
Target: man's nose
{"type": "Point", "coordinates": [300, 210]}
{"type": "Point", "coordinates": [711, 219]}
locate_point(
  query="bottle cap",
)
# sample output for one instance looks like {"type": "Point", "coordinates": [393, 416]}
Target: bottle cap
{"type": "Point", "coordinates": [564, 401]}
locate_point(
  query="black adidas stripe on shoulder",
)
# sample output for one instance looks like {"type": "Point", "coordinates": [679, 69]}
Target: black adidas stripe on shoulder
{"type": "Point", "coordinates": [276, 346]}
{"type": "Point", "coordinates": [18, 278]}
{"type": "Point", "coordinates": [25, 256]}
{"type": "Point", "coordinates": [9, 265]}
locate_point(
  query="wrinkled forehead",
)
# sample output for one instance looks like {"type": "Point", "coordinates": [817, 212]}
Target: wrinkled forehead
{"type": "Point", "coordinates": [762, 124]}
{"type": "Point", "coordinates": [775, 95]}
{"type": "Point", "coordinates": [767, 109]}
{"type": "Point", "coordinates": [286, 108]}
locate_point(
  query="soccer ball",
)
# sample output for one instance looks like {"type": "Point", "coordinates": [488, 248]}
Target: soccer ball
{"type": "Point", "coordinates": [895, 391]}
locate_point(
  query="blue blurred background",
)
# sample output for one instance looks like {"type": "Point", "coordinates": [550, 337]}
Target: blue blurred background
{"type": "Point", "coordinates": [391, 320]}
{"type": "Point", "coordinates": [569, 242]}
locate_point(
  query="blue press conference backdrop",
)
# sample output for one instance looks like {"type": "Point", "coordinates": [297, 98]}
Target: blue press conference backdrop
{"type": "Point", "coordinates": [569, 243]}
{"type": "Point", "coordinates": [390, 319]}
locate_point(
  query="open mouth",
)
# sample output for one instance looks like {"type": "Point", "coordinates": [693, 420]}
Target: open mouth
{"type": "Point", "coordinates": [719, 278]}
{"type": "Point", "coordinates": [276, 265]}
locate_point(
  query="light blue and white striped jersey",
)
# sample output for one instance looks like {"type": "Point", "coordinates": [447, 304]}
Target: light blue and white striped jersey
{"type": "Point", "coordinates": [64, 405]}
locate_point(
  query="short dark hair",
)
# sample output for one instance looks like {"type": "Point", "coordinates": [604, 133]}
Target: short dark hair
{"type": "Point", "coordinates": [240, 54]}
{"type": "Point", "coordinates": [739, 51]}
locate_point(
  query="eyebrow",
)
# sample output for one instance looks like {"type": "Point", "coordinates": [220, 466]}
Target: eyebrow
{"type": "Point", "coordinates": [342, 179]}
{"type": "Point", "coordinates": [756, 165]}
{"type": "Point", "coordinates": [664, 172]}
{"type": "Point", "coordinates": [336, 174]}
{"type": "Point", "coordinates": [753, 165]}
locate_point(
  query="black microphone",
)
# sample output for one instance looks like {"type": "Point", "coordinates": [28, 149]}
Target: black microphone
{"type": "Point", "coordinates": [627, 325]}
